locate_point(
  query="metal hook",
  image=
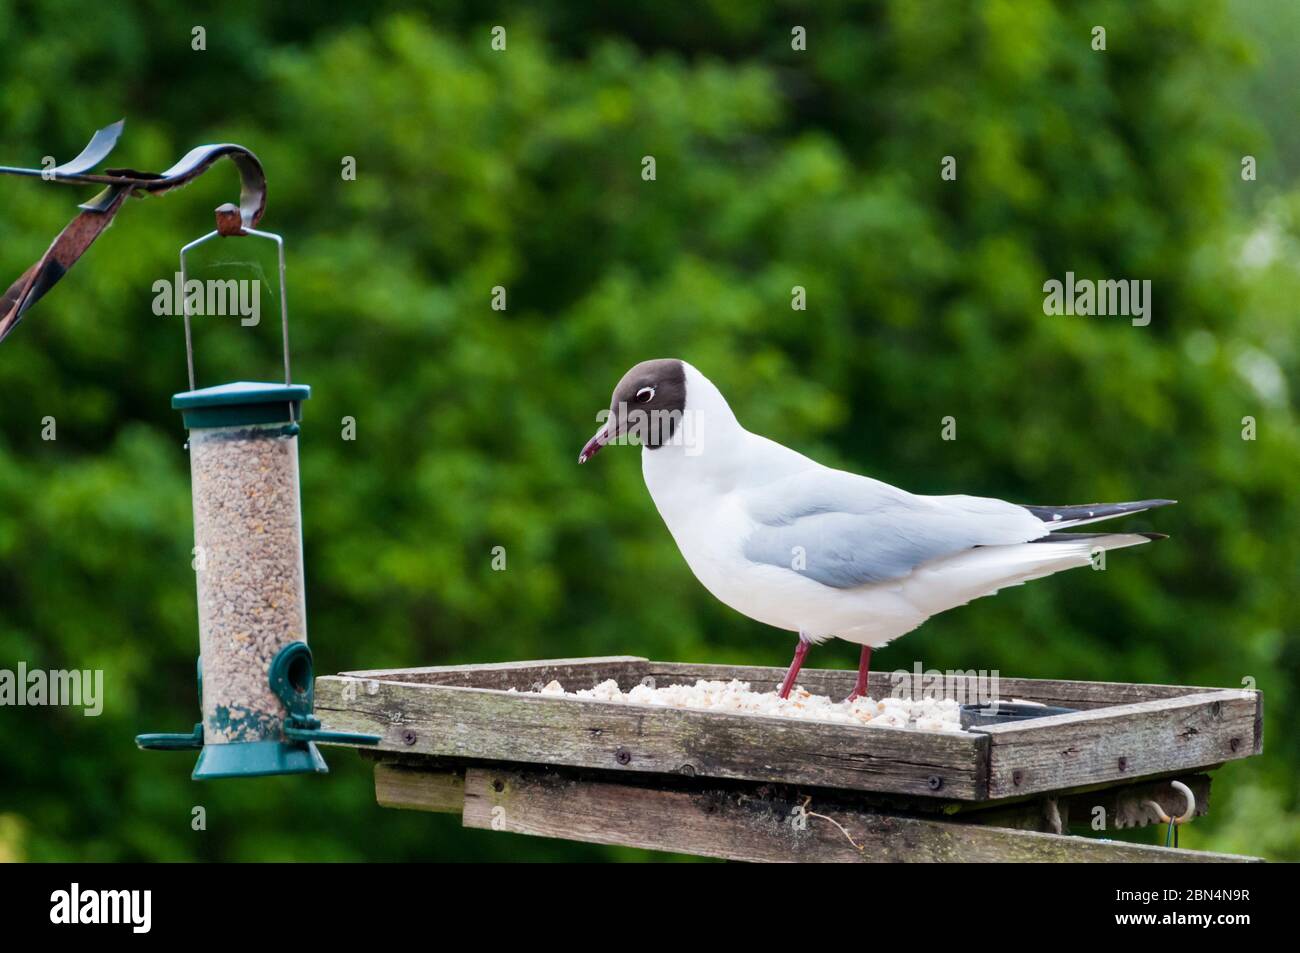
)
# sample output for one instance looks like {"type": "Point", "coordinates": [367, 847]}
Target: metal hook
{"type": "Point", "coordinates": [1186, 815]}
{"type": "Point", "coordinates": [229, 224]}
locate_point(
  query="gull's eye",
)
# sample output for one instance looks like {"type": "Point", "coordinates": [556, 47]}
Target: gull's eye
{"type": "Point", "coordinates": [645, 395]}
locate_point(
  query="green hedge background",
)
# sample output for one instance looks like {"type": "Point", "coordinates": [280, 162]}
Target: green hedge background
{"type": "Point", "coordinates": [522, 169]}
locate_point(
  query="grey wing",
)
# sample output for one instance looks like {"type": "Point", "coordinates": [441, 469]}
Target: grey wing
{"type": "Point", "coordinates": [844, 531]}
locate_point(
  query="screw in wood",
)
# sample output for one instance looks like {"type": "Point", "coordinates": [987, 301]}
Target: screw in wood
{"type": "Point", "coordinates": [688, 770]}
{"type": "Point", "coordinates": [1234, 743]}
{"type": "Point", "coordinates": [408, 737]}
{"type": "Point", "coordinates": [1123, 764]}
{"type": "Point", "coordinates": [498, 785]}
{"type": "Point", "coordinates": [623, 756]}
{"type": "Point", "coordinates": [935, 782]}
{"type": "Point", "coordinates": [1017, 776]}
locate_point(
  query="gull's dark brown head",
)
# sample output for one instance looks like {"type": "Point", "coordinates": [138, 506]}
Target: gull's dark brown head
{"type": "Point", "coordinates": [647, 407]}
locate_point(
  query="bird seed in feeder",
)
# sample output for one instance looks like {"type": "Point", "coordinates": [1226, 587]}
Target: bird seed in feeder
{"type": "Point", "coordinates": [247, 526]}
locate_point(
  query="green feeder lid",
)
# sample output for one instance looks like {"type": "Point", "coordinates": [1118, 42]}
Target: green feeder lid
{"type": "Point", "coordinates": [240, 404]}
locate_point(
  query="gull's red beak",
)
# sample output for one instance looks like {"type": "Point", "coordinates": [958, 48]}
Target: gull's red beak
{"type": "Point", "coordinates": [598, 440]}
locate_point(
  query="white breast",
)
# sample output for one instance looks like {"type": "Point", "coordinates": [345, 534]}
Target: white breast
{"type": "Point", "coordinates": [699, 488]}
{"type": "Point", "coordinates": [708, 527]}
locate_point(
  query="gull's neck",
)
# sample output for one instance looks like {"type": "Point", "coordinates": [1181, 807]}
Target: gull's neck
{"type": "Point", "coordinates": [709, 447]}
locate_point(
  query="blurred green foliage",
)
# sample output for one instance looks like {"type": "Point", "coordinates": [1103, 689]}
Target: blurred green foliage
{"type": "Point", "coordinates": [775, 168]}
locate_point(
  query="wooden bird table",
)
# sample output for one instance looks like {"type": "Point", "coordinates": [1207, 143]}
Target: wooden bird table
{"type": "Point", "coordinates": [751, 787]}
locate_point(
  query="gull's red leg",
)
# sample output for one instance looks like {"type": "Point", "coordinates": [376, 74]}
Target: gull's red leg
{"type": "Point", "coordinates": [864, 668]}
{"type": "Point", "coordinates": [800, 651]}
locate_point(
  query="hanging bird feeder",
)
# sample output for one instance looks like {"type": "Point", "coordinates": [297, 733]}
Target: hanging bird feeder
{"type": "Point", "coordinates": [256, 680]}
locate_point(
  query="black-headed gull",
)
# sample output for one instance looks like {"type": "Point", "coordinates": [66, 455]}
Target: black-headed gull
{"type": "Point", "coordinates": [821, 552]}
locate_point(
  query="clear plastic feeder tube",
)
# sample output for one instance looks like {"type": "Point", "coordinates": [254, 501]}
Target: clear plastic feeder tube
{"type": "Point", "coordinates": [248, 560]}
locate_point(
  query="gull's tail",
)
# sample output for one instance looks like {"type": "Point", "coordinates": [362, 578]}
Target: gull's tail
{"type": "Point", "coordinates": [1129, 539]}
{"type": "Point", "coordinates": [983, 570]}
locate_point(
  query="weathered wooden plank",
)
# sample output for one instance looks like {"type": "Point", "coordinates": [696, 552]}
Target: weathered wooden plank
{"type": "Point", "coordinates": [419, 789]}
{"type": "Point", "coordinates": [762, 826]}
{"type": "Point", "coordinates": [1048, 814]}
{"type": "Point", "coordinates": [524, 676]}
{"type": "Point", "coordinates": [474, 723]}
{"type": "Point", "coordinates": [1125, 804]}
{"type": "Point", "coordinates": [1121, 742]}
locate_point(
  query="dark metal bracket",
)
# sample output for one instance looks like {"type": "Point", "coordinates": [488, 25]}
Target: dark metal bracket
{"type": "Point", "coordinates": [119, 185]}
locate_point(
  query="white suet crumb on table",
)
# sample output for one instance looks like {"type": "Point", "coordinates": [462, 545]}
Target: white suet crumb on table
{"type": "Point", "coordinates": [924, 714]}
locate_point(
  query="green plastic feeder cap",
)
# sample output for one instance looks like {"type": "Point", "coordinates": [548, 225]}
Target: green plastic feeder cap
{"type": "Point", "coordinates": [243, 403]}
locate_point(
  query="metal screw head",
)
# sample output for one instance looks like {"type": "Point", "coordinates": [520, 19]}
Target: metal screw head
{"type": "Point", "coordinates": [1234, 743]}
{"type": "Point", "coordinates": [1123, 764]}
{"type": "Point", "coordinates": [623, 756]}
{"type": "Point", "coordinates": [408, 737]}
{"type": "Point", "coordinates": [934, 782]}
{"type": "Point", "coordinates": [1017, 776]}
{"type": "Point", "coordinates": [498, 785]}
{"type": "Point", "coordinates": [688, 770]}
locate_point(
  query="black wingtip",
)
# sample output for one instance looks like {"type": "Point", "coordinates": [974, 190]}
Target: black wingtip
{"type": "Point", "coordinates": [1093, 512]}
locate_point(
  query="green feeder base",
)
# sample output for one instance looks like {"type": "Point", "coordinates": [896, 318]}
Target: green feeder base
{"type": "Point", "coordinates": [256, 759]}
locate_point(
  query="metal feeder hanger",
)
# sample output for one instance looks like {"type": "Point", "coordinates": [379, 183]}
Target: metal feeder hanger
{"type": "Point", "coordinates": [255, 674]}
